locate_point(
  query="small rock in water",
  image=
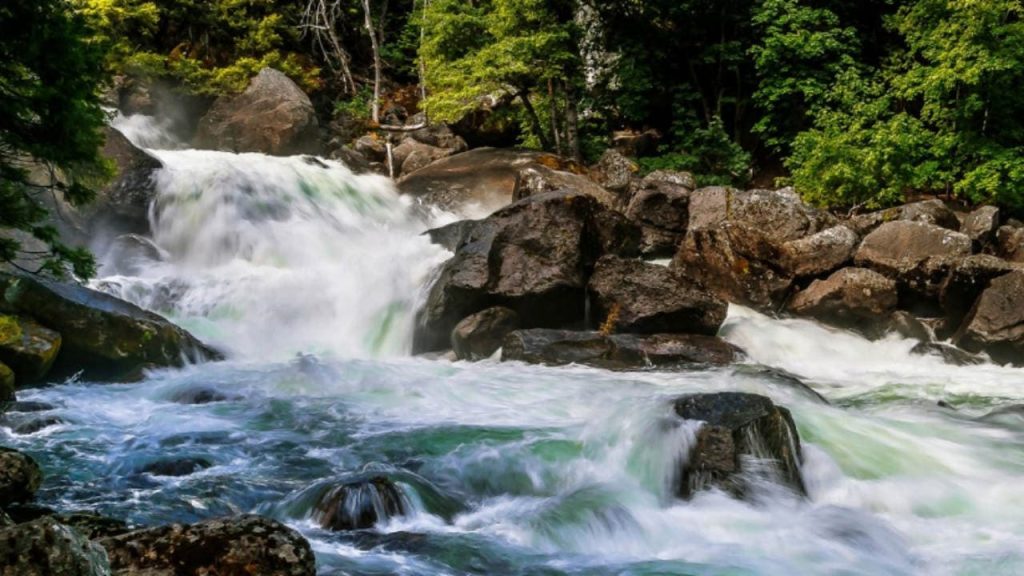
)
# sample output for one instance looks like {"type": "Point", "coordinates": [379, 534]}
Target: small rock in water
{"type": "Point", "coordinates": [745, 438]}
{"type": "Point", "coordinates": [29, 424]}
{"type": "Point", "coordinates": [479, 335]}
{"type": "Point", "coordinates": [45, 547]}
{"type": "Point", "coordinates": [245, 545]}
{"type": "Point", "coordinates": [176, 466]}
{"type": "Point", "coordinates": [26, 406]}
{"type": "Point", "coordinates": [20, 477]}
{"type": "Point", "coordinates": [202, 395]}
{"type": "Point", "coordinates": [360, 504]}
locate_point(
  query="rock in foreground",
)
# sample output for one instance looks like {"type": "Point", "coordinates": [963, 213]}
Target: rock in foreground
{"type": "Point", "coordinates": [745, 438]}
{"type": "Point", "coordinates": [244, 545]}
{"type": "Point", "coordinates": [45, 547]}
{"type": "Point", "coordinates": [107, 338]}
{"type": "Point", "coordinates": [359, 504]}
{"type": "Point", "coordinates": [20, 477]}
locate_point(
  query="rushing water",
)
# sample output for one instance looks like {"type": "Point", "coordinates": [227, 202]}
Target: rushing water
{"type": "Point", "coordinates": [309, 277]}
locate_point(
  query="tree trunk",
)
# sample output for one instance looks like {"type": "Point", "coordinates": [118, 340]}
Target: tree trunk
{"type": "Point", "coordinates": [545, 143]}
{"type": "Point", "coordinates": [572, 122]}
{"type": "Point", "coordinates": [377, 65]}
{"type": "Point", "coordinates": [553, 112]}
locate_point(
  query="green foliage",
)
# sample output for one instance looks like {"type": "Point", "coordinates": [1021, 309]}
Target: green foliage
{"type": "Point", "coordinates": [356, 107]}
{"type": "Point", "coordinates": [50, 122]}
{"type": "Point", "coordinates": [708, 152]}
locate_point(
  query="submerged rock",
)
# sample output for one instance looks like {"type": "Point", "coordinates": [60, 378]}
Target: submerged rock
{"type": "Point", "coordinates": [28, 348]}
{"type": "Point", "coordinates": [479, 335]}
{"type": "Point", "coordinates": [20, 477]}
{"type": "Point", "coordinates": [360, 504]}
{"type": "Point", "coordinates": [244, 545]}
{"type": "Point", "coordinates": [636, 297]}
{"type": "Point", "coordinates": [745, 438]}
{"type": "Point", "coordinates": [949, 354]}
{"type": "Point", "coordinates": [616, 351]}
{"type": "Point", "coordinates": [202, 395]}
{"type": "Point", "coordinates": [273, 116]}
{"type": "Point", "coordinates": [45, 547]}
{"type": "Point", "coordinates": [182, 466]}
{"type": "Point", "coordinates": [106, 338]}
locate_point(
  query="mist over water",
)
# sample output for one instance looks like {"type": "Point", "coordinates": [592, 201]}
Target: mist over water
{"type": "Point", "coordinates": [310, 276]}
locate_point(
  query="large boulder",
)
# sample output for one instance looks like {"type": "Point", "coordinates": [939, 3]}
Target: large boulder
{"type": "Point", "coordinates": [660, 205]}
{"type": "Point", "coordinates": [616, 351]}
{"type": "Point", "coordinates": [819, 253]}
{"type": "Point", "coordinates": [745, 438]}
{"type": "Point", "coordinates": [122, 207]}
{"type": "Point", "coordinates": [45, 547]}
{"type": "Point", "coordinates": [966, 281]}
{"type": "Point", "coordinates": [273, 116]}
{"type": "Point", "coordinates": [633, 296]}
{"type": "Point", "coordinates": [27, 347]}
{"type": "Point", "coordinates": [234, 546]}
{"type": "Point", "coordinates": [20, 477]}
{"type": "Point", "coordinates": [780, 215]}
{"type": "Point", "coordinates": [996, 322]}
{"type": "Point", "coordinates": [532, 257]}
{"type": "Point", "coordinates": [737, 263]}
{"type": "Point", "coordinates": [932, 211]}
{"type": "Point", "coordinates": [614, 171]}
{"type": "Point", "coordinates": [917, 255]}
{"type": "Point", "coordinates": [479, 335]}
{"type": "Point", "coordinates": [483, 180]}
{"type": "Point", "coordinates": [853, 298]}
{"type": "Point", "coordinates": [981, 225]}
{"type": "Point", "coordinates": [106, 338]}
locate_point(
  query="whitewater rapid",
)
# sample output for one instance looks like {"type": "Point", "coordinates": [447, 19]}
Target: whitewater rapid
{"type": "Point", "coordinates": [310, 276]}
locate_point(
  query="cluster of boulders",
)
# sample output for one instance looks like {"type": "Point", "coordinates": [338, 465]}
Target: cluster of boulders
{"type": "Point", "coordinates": [50, 329]}
{"type": "Point", "coordinates": [566, 268]}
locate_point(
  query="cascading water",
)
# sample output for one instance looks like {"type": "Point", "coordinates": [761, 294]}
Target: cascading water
{"type": "Point", "coordinates": [507, 468]}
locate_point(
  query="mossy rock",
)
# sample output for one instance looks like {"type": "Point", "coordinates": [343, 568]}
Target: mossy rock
{"type": "Point", "coordinates": [27, 347]}
{"type": "Point", "coordinates": [6, 383]}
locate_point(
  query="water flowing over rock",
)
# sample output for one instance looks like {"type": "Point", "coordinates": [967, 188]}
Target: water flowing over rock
{"type": "Point", "coordinates": [360, 504]}
{"type": "Point", "coordinates": [744, 439]}
{"type": "Point", "coordinates": [45, 547]}
{"type": "Point", "coordinates": [28, 348]}
{"type": "Point", "coordinates": [107, 338]}
{"type": "Point", "coordinates": [996, 323]}
{"type": "Point", "coordinates": [479, 335]}
{"type": "Point", "coordinates": [273, 116]}
{"type": "Point", "coordinates": [234, 546]}
{"type": "Point", "coordinates": [20, 477]}
{"type": "Point", "coordinates": [531, 257]}
{"type": "Point", "coordinates": [854, 298]}
{"type": "Point", "coordinates": [616, 351]}
{"type": "Point", "coordinates": [636, 297]}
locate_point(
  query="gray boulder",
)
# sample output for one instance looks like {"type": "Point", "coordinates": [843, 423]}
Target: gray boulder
{"type": "Point", "coordinates": [273, 116]}
{"type": "Point", "coordinates": [981, 225]}
{"type": "Point", "coordinates": [779, 215]}
{"type": "Point", "coordinates": [853, 298]}
{"type": "Point", "coordinates": [45, 547]}
{"type": "Point", "coordinates": [614, 171]}
{"type": "Point", "coordinates": [819, 253]}
{"type": "Point", "coordinates": [996, 322]}
{"type": "Point", "coordinates": [966, 281]}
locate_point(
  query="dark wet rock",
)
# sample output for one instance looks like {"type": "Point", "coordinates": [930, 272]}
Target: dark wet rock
{"type": "Point", "coordinates": [531, 257]}
{"type": "Point", "coordinates": [455, 235]}
{"type": "Point", "coordinates": [949, 354]}
{"type": "Point", "coordinates": [272, 116]}
{"type": "Point", "coordinates": [46, 547]}
{"type": "Point", "coordinates": [996, 322]}
{"type": "Point", "coordinates": [854, 298]}
{"type": "Point", "coordinates": [27, 347]}
{"type": "Point", "coordinates": [244, 545]}
{"type": "Point", "coordinates": [932, 211]}
{"type": "Point", "coordinates": [486, 179]}
{"type": "Point", "coordinates": [779, 215]}
{"type": "Point", "coordinates": [614, 171]}
{"type": "Point", "coordinates": [122, 207]}
{"type": "Point", "coordinates": [106, 338]}
{"type": "Point", "coordinates": [479, 335]}
{"type": "Point", "coordinates": [966, 281]}
{"type": "Point", "coordinates": [1009, 243]}
{"type": "Point", "coordinates": [820, 253]}
{"type": "Point", "coordinates": [908, 326]}
{"type": "Point", "coordinates": [360, 504]}
{"type": "Point", "coordinates": [981, 225]}
{"type": "Point", "coordinates": [182, 466]}
{"type": "Point", "coordinates": [744, 437]}
{"type": "Point", "coordinates": [25, 424]}
{"type": "Point", "coordinates": [736, 263]}
{"type": "Point", "coordinates": [20, 477]}
{"type": "Point", "coordinates": [202, 395]}
{"type": "Point", "coordinates": [7, 384]}
{"type": "Point", "coordinates": [616, 351]}
{"type": "Point", "coordinates": [633, 296]}
{"type": "Point", "coordinates": [915, 254]}
{"type": "Point", "coordinates": [660, 206]}
{"type": "Point", "coordinates": [25, 407]}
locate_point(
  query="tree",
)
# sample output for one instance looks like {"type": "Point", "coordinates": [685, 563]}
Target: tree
{"type": "Point", "coordinates": [50, 116]}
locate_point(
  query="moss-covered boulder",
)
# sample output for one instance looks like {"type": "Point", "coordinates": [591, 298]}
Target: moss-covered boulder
{"type": "Point", "coordinates": [20, 477]}
{"type": "Point", "coordinates": [27, 347]}
{"type": "Point", "coordinates": [45, 547]}
{"type": "Point", "coordinates": [103, 337]}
